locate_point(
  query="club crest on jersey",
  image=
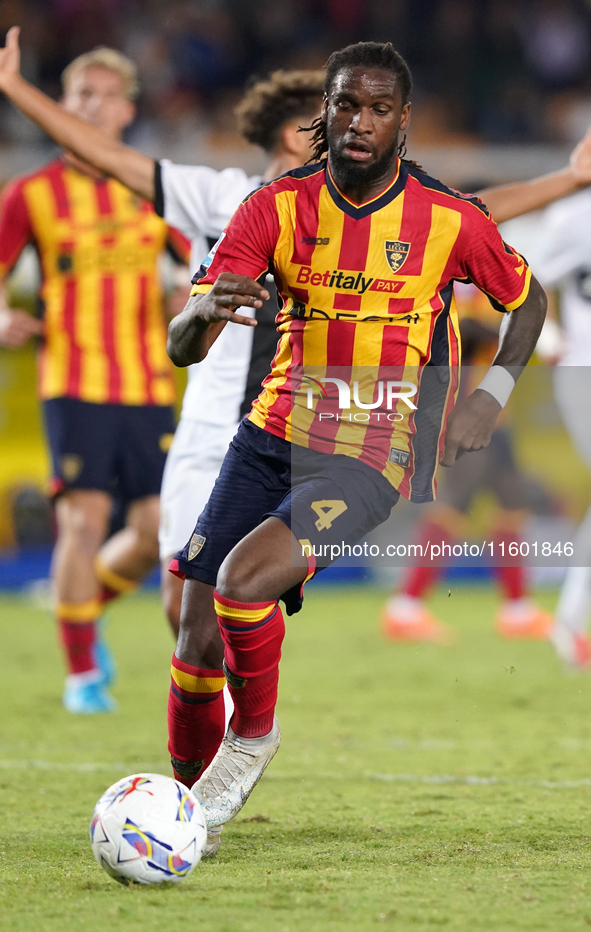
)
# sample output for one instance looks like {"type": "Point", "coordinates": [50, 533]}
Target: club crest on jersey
{"type": "Point", "coordinates": [196, 546]}
{"type": "Point", "coordinates": [396, 253]}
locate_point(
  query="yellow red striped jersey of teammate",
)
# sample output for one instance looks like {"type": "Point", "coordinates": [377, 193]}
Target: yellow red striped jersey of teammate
{"type": "Point", "coordinates": [99, 247]}
{"type": "Point", "coordinates": [367, 285]}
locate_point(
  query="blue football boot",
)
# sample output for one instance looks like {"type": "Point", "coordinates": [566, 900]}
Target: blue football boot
{"type": "Point", "coordinates": [103, 658]}
{"type": "Point", "coordinates": [86, 694]}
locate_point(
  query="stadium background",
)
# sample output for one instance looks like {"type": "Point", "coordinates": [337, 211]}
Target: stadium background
{"type": "Point", "coordinates": [502, 92]}
{"type": "Point", "coordinates": [417, 786]}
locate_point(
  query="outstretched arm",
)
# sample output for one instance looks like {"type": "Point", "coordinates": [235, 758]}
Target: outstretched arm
{"type": "Point", "coordinates": [511, 200]}
{"type": "Point", "coordinates": [89, 143]}
{"type": "Point", "coordinates": [471, 423]}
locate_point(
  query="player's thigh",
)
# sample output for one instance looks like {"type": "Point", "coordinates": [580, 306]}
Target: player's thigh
{"type": "Point", "coordinates": [83, 440]}
{"type": "Point", "coordinates": [464, 479]}
{"type": "Point", "coordinates": [143, 515]}
{"type": "Point", "coordinates": [83, 516]}
{"type": "Point", "coordinates": [145, 436]}
{"type": "Point", "coordinates": [572, 386]}
{"type": "Point", "coordinates": [505, 478]}
{"type": "Point", "coordinates": [192, 466]}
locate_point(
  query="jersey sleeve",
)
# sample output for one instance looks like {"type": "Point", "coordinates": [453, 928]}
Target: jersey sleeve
{"type": "Point", "coordinates": [493, 266]}
{"type": "Point", "coordinates": [198, 200]}
{"type": "Point", "coordinates": [15, 226]}
{"type": "Point", "coordinates": [182, 197]}
{"type": "Point", "coordinates": [178, 246]}
{"type": "Point", "coordinates": [247, 245]}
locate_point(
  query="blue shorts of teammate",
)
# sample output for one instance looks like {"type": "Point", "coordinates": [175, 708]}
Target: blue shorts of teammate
{"type": "Point", "coordinates": [324, 499]}
{"type": "Point", "coordinates": [118, 449]}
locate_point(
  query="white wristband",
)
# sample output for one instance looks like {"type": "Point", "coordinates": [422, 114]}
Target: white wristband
{"type": "Point", "coordinates": [499, 383]}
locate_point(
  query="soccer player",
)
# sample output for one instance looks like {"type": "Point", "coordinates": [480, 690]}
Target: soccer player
{"type": "Point", "coordinates": [563, 260]}
{"type": "Point", "coordinates": [104, 377]}
{"type": "Point", "coordinates": [360, 217]}
{"type": "Point", "coordinates": [405, 616]}
{"type": "Point", "coordinates": [199, 201]}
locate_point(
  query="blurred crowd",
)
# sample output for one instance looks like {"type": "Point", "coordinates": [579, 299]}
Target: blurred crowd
{"type": "Point", "coordinates": [507, 71]}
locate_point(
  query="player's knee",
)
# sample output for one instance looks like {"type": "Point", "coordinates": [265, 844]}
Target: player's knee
{"type": "Point", "coordinates": [238, 579]}
{"type": "Point", "coordinates": [84, 529]}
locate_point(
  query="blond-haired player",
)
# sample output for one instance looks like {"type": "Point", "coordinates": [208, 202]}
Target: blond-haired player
{"type": "Point", "coordinates": [104, 377]}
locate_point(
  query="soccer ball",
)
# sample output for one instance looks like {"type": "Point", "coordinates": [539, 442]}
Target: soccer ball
{"type": "Point", "coordinates": [148, 828]}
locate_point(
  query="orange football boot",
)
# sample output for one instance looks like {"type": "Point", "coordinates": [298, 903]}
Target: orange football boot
{"type": "Point", "coordinates": [520, 618]}
{"type": "Point", "coordinates": [405, 618]}
{"type": "Point", "coordinates": [573, 647]}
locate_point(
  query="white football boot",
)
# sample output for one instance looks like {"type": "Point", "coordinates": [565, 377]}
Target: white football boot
{"type": "Point", "coordinates": [233, 774]}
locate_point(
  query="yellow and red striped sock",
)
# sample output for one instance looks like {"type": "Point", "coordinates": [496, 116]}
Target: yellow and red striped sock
{"type": "Point", "coordinates": [252, 633]}
{"type": "Point", "coordinates": [77, 627]}
{"type": "Point", "coordinates": [196, 718]}
{"type": "Point", "coordinates": [112, 584]}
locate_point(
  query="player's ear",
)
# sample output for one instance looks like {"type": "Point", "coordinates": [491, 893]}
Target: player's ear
{"type": "Point", "coordinates": [324, 108]}
{"type": "Point", "coordinates": [132, 110]}
{"type": "Point", "coordinates": [405, 118]}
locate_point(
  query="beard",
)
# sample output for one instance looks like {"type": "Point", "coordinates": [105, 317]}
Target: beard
{"type": "Point", "coordinates": [353, 174]}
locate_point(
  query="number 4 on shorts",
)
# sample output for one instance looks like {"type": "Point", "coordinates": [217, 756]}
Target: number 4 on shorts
{"type": "Point", "coordinates": [327, 510]}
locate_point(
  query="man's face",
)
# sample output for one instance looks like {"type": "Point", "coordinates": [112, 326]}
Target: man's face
{"type": "Point", "coordinates": [364, 114]}
{"type": "Point", "coordinates": [98, 95]}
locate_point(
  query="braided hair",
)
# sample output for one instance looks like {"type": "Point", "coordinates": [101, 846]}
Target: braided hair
{"type": "Point", "coordinates": [370, 55]}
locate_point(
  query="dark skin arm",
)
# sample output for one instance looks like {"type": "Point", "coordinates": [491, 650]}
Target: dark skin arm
{"type": "Point", "coordinates": [195, 329]}
{"type": "Point", "coordinates": [472, 422]}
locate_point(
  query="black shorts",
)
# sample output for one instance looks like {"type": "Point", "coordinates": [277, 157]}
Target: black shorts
{"type": "Point", "coordinates": [119, 449]}
{"type": "Point", "coordinates": [324, 499]}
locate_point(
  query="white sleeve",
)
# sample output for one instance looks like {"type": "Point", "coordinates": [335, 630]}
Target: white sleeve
{"type": "Point", "coordinates": [565, 239]}
{"type": "Point", "coordinates": [198, 200]}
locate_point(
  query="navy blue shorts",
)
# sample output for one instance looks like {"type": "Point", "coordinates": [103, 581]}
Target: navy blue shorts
{"type": "Point", "coordinates": [324, 499]}
{"type": "Point", "coordinates": [119, 449]}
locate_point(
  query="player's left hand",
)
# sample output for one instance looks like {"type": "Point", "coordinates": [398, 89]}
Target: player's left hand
{"type": "Point", "coordinates": [470, 426]}
{"type": "Point", "coordinates": [580, 160]}
{"type": "Point", "coordinates": [10, 57]}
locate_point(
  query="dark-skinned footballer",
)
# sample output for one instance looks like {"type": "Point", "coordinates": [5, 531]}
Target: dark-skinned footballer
{"type": "Point", "coordinates": [365, 248]}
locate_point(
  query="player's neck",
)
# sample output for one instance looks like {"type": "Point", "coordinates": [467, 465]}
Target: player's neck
{"type": "Point", "coordinates": [362, 193]}
{"type": "Point", "coordinates": [281, 163]}
{"type": "Point", "coordinates": [83, 167]}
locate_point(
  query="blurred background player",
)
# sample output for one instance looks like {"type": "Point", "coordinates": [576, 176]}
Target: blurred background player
{"type": "Point", "coordinates": [562, 257]}
{"type": "Point", "coordinates": [104, 377]}
{"type": "Point", "coordinates": [199, 201]}
{"type": "Point", "coordinates": [405, 615]}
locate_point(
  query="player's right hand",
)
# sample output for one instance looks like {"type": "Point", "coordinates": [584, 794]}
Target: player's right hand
{"type": "Point", "coordinates": [16, 327]}
{"type": "Point", "coordinates": [229, 292]}
{"type": "Point", "coordinates": [10, 56]}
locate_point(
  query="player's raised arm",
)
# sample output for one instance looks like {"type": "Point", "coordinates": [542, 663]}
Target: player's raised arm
{"type": "Point", "coordinates": [89, 143]}
{"type": "Point", "coordinates": [193, 331]}
{"type": "Point", "coordinates": [472, 422]}
{"type": "Point", "coordinates": [510, 200]}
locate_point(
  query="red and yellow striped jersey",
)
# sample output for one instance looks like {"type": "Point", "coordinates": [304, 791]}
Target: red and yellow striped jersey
{"type": "Point", "coordinates": [367, 285]}
{"type": "Point", "coordinates": [99, 245]}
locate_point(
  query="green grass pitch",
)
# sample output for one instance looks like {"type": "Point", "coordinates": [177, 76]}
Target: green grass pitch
{"type": "Point", "coordinates": [417, 787]}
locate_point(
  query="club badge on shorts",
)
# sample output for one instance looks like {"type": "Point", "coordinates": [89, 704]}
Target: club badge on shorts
{"type": "Point", "coordinates": [396, 253]}
{"type": "Point", "coordinates": [71, 466]}
{"type": "Point", "coordinates": [196, 545]}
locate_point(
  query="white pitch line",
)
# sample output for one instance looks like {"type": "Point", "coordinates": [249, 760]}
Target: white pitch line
{"type": "Point", "coordinates": [81, 767]}
{"type": "Point", "coordinates": [443, 778]}
{"type": "Point", "coordinates": [434, 778]}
